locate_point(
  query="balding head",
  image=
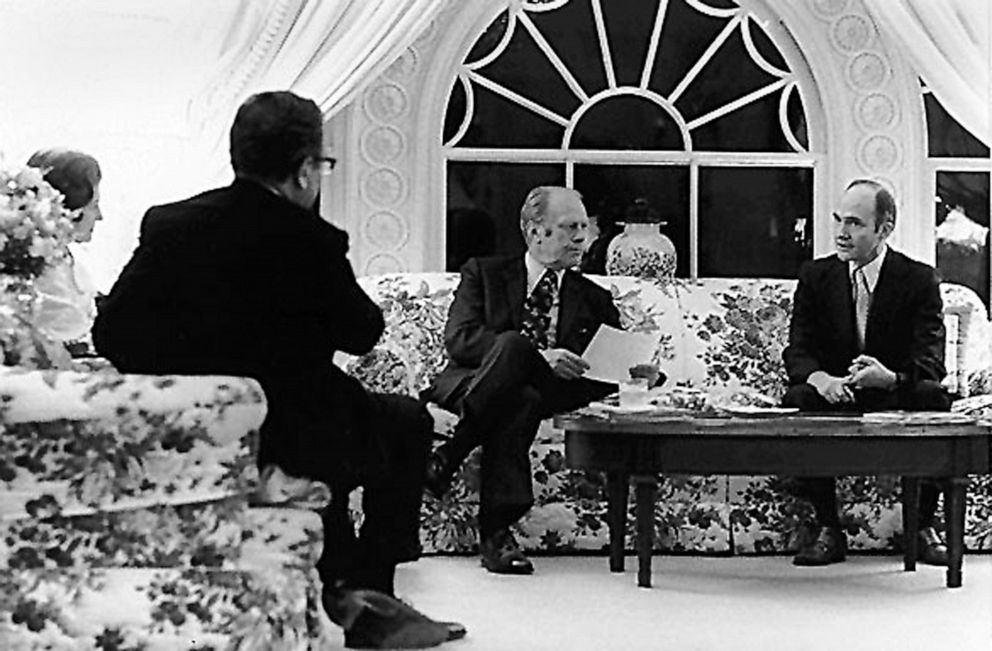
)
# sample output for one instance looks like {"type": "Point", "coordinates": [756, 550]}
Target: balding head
{"type": "Point", "coordinates": [554, 225]}
{"type": "Point", "coordinates": [543, 199]}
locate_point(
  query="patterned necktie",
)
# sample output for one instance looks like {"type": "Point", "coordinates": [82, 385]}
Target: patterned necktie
{"type": "Point", "coordinates": [862, 302]}
{"type": "Point", "coordinates": [536, 324]}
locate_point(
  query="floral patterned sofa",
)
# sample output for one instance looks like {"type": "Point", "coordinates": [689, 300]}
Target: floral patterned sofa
{"type": "Point", "coordinates": [721, 339]}
{"type": "Point", "coordinates": [127, 518]}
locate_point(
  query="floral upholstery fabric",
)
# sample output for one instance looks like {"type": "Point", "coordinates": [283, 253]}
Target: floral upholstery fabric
{"type": "Point", "coordinates": [720, 340]}
{"type": "Point", "coordinates": [125, 520]}
{"type": "Point", "coordinates": [125, 608]}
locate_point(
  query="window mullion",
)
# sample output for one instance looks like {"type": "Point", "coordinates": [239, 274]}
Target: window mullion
{"type": "Point", "coordinates": [694, 219]}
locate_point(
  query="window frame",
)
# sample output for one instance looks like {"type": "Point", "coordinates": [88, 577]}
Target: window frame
{"type": "Point", "coordinates": [814, 157]}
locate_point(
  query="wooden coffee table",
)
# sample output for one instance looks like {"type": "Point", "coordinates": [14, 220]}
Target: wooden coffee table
{"type": "Point", "coordinates": [640, 446]}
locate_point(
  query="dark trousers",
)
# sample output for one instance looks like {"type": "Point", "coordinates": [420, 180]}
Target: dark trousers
{"type": "Point", "coordinates": [390, 469]}
{"type": "Point", "coordinates": [926, 395]}
{"type": "Point", "coordinates": [501, 406]}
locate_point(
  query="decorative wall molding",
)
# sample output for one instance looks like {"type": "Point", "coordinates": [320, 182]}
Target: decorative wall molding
{"type": "Point", "coordinates": [385, 230]}
{"type": "Point", "coordinates": [385, 204]}
{"type": "Point", "coordinates": [874, 116]}
{"type": "Point", "coordinates": [385, 101]}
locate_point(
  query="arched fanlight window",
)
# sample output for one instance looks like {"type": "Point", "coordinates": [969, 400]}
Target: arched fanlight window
{"type": "Point", "coordinates": [690, 105]}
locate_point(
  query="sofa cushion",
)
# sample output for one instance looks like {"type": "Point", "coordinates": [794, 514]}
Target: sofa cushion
{"type": "Point", "coordinates": [736, 330]}
{"type": "Point", "coordinates": [73, 444]}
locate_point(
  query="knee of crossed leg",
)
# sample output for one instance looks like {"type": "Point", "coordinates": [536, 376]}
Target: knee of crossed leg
{"type": "Point", "coordinates": [930, 395]}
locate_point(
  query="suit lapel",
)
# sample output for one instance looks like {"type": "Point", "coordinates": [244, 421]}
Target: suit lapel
{"type": "Point", "coordinates": [884, 299]}
{"type": "Point", "coordinates": [515, 282]}
{"type": "Point", "coordinates": [841, 298]}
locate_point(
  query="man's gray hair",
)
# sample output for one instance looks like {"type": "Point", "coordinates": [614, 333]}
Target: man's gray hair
{"type": "Point", "coordinates": [535, 207]}
{"type": "Point", "coordinates": [885, 203]}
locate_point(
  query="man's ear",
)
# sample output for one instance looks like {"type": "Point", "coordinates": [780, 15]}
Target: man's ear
{"type": "Point", "coordinates": [301, 176]}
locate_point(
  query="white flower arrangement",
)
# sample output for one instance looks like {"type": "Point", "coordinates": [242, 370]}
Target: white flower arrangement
{"type": "Point", "coordinates": [35, 230]}
{"type": "Point", "coordinates": [35, 226]}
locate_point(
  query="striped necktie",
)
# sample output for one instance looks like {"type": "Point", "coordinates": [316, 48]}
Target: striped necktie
{"type": "Point", "coordinates": [862, 303]}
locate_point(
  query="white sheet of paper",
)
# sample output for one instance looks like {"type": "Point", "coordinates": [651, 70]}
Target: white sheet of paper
{"type": "Point", "coordinates": [612, 352]}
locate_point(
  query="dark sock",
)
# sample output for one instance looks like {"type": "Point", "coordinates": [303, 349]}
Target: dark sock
{"type": "Point", "coordinates": [825, 507]}
{"type": "Point", "coordinates": [455, 450]}
{"type": "Point", "coordinates": [929, 494]}
{"type": "Point", "coordinates": [378, 578]}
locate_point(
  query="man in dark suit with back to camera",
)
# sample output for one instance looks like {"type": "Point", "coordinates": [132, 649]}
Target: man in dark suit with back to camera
{"type": "Point", "coordinates": [515, 332]}
{"type": "Point", "coordinates": [249, 280]}
{"type": "Point", "coordinates": [867, 334]}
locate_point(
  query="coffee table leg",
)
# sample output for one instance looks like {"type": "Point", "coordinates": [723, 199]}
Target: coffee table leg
{"type": "Point", "coordinates": [645, 493]}
{"type": "Point", "coordinates": [955, 492]}
{"type": "Point", "coordinates": [910, 521]}
{"type": "Point", "coordinates": [617, 490]}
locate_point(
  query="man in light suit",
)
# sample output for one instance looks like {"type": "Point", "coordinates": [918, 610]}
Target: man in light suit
{"type": "Point", "coordinates": [514, 336]}
{"type": "Point", "coordinates": [249, 280]}
{"type": "Point", "coordinates": [867, 334]}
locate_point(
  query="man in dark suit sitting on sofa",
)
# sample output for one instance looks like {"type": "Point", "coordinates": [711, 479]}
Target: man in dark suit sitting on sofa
{"type": "Point", "coordinates": [514, 336]}
{"type": "Point", "coordinates": [249, 280]}
{"type": "Point", "coordinates": [867, 334]}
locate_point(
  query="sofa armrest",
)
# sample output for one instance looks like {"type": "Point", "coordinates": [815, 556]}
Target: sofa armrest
{"type": "Point", "coordinates": [968, 353]}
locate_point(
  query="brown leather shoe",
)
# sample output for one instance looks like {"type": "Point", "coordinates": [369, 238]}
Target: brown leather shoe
{"type": "Point", "coordinates": [502, 555]}
{"type": "Point", "coordinates": [388, 623]}
{"type": "Point", "coordinates": [828, 546]}
{"type": "Point", "coordinates": [930, 548]}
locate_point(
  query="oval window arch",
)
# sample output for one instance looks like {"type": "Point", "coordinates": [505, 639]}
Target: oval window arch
{"type": "Point", "coordinates": [690, 105]}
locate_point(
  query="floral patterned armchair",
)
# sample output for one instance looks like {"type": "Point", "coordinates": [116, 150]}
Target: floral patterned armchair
{"type": "Point", "coordinates": [127, 518]}
{"type": "Point", "coordinates": [721, 339]}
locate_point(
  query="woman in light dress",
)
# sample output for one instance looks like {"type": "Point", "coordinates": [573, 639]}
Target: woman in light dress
{"type": "Point", "coordinates": [66, 308]}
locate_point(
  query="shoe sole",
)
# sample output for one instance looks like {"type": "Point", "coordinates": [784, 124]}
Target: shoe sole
{"type": "Point", "coordinates": [807, 563]}
{"type": "Point", "coordinates": [508, 570]}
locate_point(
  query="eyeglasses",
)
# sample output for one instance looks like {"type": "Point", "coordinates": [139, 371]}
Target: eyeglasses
{"type": "Point", "coordinates": [325, 163]}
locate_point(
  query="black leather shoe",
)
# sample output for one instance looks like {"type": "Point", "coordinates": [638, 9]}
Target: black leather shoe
{"type": "Point", "coordinates": [439, 474]}
{"type": "Point", "coordinates": [930, 548]}
{"type": "Point", "coordinates": [502, 555]}
{"type": "Point", "coordinates": [388, 623]}
{"type": "Point", "coordinates": [828, 546]}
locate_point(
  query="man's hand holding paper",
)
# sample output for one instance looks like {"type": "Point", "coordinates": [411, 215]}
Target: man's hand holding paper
{"type": "Point", "coordinates": [616, 355]}
{"type": "Point", "coordinates": [564, 363]}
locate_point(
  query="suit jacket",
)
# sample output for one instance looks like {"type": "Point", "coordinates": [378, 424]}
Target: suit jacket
{"type": "Point", "coordinates": [240, 281]}
{"type": "Point", "coordinates": [490, 300]}
{"type": "Point", "coordinates": [905, 329]}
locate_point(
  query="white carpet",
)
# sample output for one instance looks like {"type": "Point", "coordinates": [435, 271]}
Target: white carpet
{"type": "Point", "coordinates": [707, 604]}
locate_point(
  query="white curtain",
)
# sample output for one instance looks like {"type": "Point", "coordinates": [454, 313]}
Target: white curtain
{"type": "Point", "coordinates": [948, 44]}
{"type": "Point", "coordinates": [326, 50]}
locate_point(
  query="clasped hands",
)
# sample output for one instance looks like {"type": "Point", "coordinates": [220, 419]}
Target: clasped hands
{"type": "Point", "coordinates": [865, 372]}
{"type": "Point", "coordinates": [569, 366]}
